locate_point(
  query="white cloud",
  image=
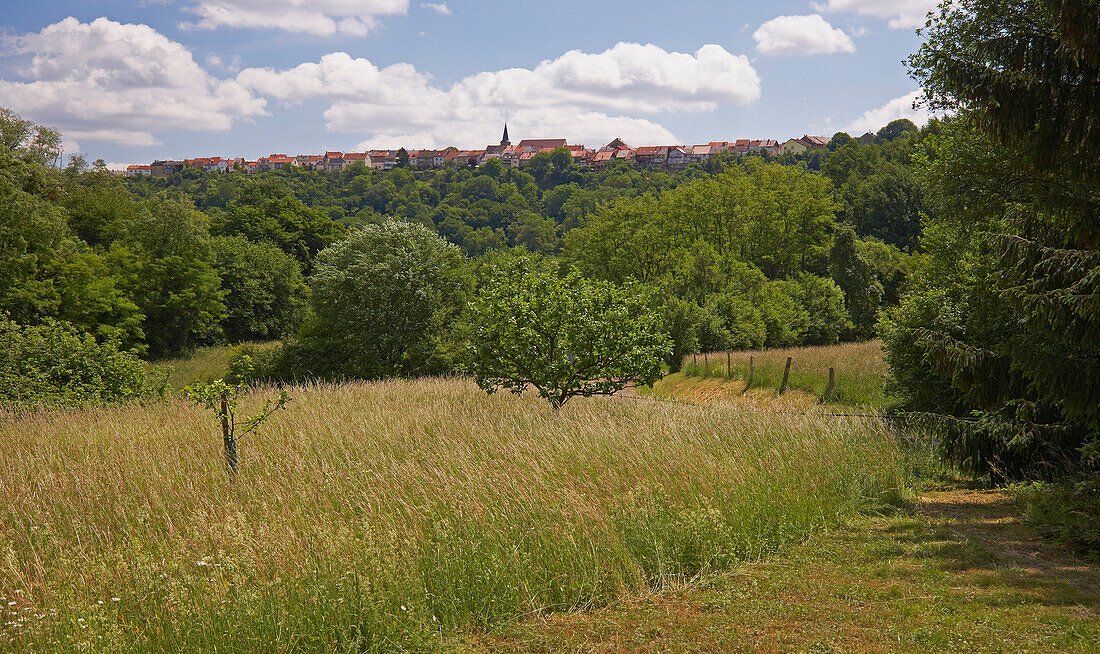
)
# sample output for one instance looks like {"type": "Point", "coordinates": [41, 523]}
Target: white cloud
{"type": "Point", "coordinates": [320, 17]}
{"type": "Point", "coordinates": [438, 7]}
{"type": "Point", "coordinates": [585, 97]}
{"type": "Point", "coordinates": [801, 35]}
{"type": "Point", "coordinates": [901, 14]}
{"type": "Point", "coordinates": [105, 81]}
{"type": "Point", "coordinates": [903, 107]}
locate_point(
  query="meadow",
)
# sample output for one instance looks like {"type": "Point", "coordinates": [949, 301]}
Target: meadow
{"type": "Point", "coordinates": [399, 516]}
{"type": "Point", "coordinates": [860, 373]}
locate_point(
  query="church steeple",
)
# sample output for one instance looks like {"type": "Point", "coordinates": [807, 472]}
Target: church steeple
{"type": "Point", "coordinates": [504, 141]}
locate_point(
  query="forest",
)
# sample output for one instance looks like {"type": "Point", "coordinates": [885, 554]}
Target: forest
{"type": "Point", "coordinates": [748, 252]}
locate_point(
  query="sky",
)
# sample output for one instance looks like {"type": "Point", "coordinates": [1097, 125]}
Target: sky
{"type": "Point", "coordinates": [130, 81]}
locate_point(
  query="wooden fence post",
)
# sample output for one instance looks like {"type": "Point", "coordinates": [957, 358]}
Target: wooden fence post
{"type": "Point", "coordinates": [786, 376]}
{"type": "Point", "coordinates": [729, 365]}
{"type": "Point", "coordinates": [752, 369]}
{"type": "Point", "coordinates": [706, 365]}
{"type": "Point", "coordinates": [832, 384]}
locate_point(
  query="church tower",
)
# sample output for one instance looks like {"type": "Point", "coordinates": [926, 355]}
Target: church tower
{"type": "Point", "coordinates": [504, 142]}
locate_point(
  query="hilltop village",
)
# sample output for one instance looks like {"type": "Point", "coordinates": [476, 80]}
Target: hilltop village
{"type": "Point", "coordinates": [669, 157]}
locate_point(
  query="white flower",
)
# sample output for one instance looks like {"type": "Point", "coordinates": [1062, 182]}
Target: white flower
{"type": "Point", "coordinates": [114, 599]}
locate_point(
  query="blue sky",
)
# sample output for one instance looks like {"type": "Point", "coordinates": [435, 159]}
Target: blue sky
{"type": "Point", "coordinates": [135, 80]}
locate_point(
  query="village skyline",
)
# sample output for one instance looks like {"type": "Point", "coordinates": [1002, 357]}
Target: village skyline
{"type": "Point", "coordinates": [671, 157]}
{"type": "Point", "coordinates": [130, 81]}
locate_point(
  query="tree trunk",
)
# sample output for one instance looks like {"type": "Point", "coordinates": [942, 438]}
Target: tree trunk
{"type": "Point", "coordinates": [228, 439]}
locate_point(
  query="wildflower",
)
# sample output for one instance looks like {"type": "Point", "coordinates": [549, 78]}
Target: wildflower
{"type": "Point", "coordinates": [99, 601]}
{"type": "Point", "coordinates": [114, 599]}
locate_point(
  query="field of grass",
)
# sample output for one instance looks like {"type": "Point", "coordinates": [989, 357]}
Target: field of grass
{"type": "Point", "coordinates": [400, 516]}
{"type": "Point", "coordinates": [860, 373]}
{"type": "Point", "coordinates": [204, 364]}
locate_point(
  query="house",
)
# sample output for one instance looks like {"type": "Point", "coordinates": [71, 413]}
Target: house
{"type": "Point", "coordinates": [162, 169]}
{"type": "Point", "coordinates": [603, 159]}
{"type": "Point", "coordinates": [794, 146]}
{"type": "Point", "coordinates": [765, 146]}
{"type": "Point", "coordinates": [677, 157]}
{"type": "Point", "coordinates": [309, 161]}
{"type": "Point", "coordinates": [804, 144]}
{"type": "Point", "coordinates": [581, 155]}
{"type": "Point", "coordinates": [651, 155]}
{"type": "Point", "coordinates": [251, 167]}
{"type": "Point", "coordinates": [868, 138]}
{"type": "Point", "coordinates": [701, 153]}
{"type": "Point", "coordinates": [538, 145]}
{"type": "Point", "coordinates": [427, 159]}
{"type": "Point", "coordinates": [383, 159]}
{"type": "Point", "coordinates": [138, 171]}
{"type": "Point", "coordinates": [333, 162]}
{"type": "Point", "coordinates": [357, 157]}
{"type": "Point", "coordinates": [281, 162]}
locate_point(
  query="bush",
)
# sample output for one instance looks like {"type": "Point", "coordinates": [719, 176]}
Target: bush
{"type": "Point", "coordinates": [54, 364]}
{"type": "Point", "coordinates": [1066, 512]}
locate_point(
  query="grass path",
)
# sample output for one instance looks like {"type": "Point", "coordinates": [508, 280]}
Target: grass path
{"type": "Point", "coordinates": [959, 574]}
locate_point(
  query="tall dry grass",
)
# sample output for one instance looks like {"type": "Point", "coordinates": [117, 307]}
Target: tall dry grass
{"type": "Point", "coordinates": [860, 370]}
{"type": "Point", "coordinates": [384, 517]}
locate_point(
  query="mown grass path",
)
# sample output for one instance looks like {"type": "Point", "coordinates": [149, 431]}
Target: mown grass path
{"type": "Point", "coordinates": [958, 574]}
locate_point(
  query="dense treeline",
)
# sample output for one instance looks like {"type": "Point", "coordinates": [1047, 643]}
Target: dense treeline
{"type": "Point", "coordinates": [1001, 328]}
{"type": "Point", "coordinates": [744, 253]}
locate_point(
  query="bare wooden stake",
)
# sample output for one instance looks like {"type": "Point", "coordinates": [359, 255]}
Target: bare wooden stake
{"type": "Point", "coordinates": [832, 384]}
{"type": "Point", "coordinates": [786, 376]}
{"type": "Point", "coordinates": [729, 366]}
{"type": "Point", "coordinates": [748, 384]}
{"type": "Point", "coordinates": [706, 365]}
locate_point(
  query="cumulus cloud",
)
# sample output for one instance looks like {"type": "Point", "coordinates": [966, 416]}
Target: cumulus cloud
{"type": "Point", "coordinates": [586, 97]}
{"type": "Point", "coordinates": [900, 14]}
{"type": "Point", "coordinates": [320, 17]}
{"type": "Point", "coordinates": [904, 107]}
{"type": "Point", "coordinates": [106, 81]}
{"type": "Point", "coordinates": [438, 7]}
{"type": "Point", "coordinates": [801, 35]}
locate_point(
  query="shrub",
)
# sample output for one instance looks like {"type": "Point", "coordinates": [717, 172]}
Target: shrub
{"type": "Point", "coordinates": [54, 364]}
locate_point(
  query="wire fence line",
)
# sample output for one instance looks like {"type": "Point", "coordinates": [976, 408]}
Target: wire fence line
{"type": "Point", "coordinates": [908, 416]}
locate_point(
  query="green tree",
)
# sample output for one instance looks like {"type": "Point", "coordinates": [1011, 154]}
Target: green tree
{"type": "Point", "coordinates": [856, 277]}
{"type": "Point", "coordinates": [383, 301]}
{"type": "Point", "coordinates": [266, 210]}
{"type": "Point", "coordinates": [1004, 322]}
{"type": "Point", "coordinates": [167, 267]}
{"type": "Point", "coordinates": [563, 336]}
{"type": "Point", "coordinates": [265, 293]}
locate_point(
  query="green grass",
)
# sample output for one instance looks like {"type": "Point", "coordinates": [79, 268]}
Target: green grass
{"type": "Point", "coordinates": [204, 364]}
{"type": "Point", "coordinates": [399, 516]}
{"type": "Point", "coordinates": [860, 371]}
{"type": "Point", "coordinates": [956, 576]}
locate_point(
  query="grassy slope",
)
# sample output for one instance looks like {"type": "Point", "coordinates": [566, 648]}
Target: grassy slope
{"type": "Point", "coordinates": [860, 375]}
{"type": "Point", "coordinates": [373, 516]}
{"type": "Point", "coordinates": [205, 364]}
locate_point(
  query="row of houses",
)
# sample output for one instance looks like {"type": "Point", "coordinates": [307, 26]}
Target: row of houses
{"type": "Point", "coordinates": [671, 157]}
